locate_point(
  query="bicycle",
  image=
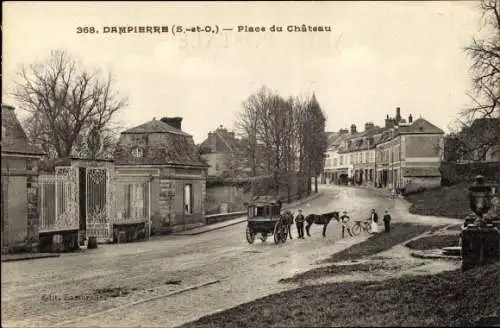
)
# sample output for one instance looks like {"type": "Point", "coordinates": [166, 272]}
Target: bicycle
{"type": "Point", "coordinates": [358, 226]}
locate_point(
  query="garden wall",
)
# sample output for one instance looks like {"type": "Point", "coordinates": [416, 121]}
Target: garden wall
{"type": "Point", "coordinates": [452, 173]}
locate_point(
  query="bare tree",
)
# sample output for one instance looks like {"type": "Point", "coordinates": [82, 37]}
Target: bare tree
{"type": "Point", "coordinates": [476, 130]}
{"type": "Point", "coordinates": [485, 54]}
{"type": "Point", "coordinates": [64, 103]}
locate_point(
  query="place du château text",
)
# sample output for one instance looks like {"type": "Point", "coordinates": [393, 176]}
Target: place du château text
{"type": "Point", "coordinates": [288, 28]}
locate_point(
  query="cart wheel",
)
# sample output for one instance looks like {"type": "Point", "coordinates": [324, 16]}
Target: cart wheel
{"type": "Point", "coordinates": [250, 235]}
{"type": "Point", "coordinates": [356, 230]}
{"type": "Point", "coordinates": [277, 233]}
{"type": "Point", "coordinates": [263, 237]}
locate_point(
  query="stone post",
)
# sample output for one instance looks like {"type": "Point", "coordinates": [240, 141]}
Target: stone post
{"type": "Point", "coordinates": [480, 239]}
{"type": "Point", "coordinates": [33, 213]}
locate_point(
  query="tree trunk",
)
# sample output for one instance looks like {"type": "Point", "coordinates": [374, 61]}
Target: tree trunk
{"type": "Point", "coordinates": [316, 184]}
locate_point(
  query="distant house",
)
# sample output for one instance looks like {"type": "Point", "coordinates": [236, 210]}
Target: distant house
{"type": "Point", "coordinates": [221, 151]}
{"type": "Point", "coordinates": [167, 158]}
{"type": "Point", "coordinates": [19, 191]}
{"type": "Point", "coordinates": [409, 154]}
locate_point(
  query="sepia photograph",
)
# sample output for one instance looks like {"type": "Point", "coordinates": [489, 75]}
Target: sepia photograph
{"type": "Point", "coordinates": [250, 164]}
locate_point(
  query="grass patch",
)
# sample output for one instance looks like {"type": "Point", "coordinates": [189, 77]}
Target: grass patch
{"type": "Point", "coordinates": [381, 242]}
{"type": "Point", "coordinates": [336, 269]}
{"type": "Point", "coordinates": [451, 202]}
{"type": "Point", "coordinates": [400, 232]}
{"type": "Point", "coordinates": [455, 298]}
{"type": "Point", "coordinates": [433, 242]}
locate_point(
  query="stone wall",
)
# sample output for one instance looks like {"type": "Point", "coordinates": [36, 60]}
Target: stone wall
{"type": "Point", "coordinates": [234, 196]}
{"type": "Point", "coordinates": [453, 173]}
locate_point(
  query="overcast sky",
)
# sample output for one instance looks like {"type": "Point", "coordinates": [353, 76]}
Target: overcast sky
{"type": "Point", "coordinates": [378, 56]}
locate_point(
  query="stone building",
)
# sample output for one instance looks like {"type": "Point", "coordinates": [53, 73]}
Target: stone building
{"type": "Point", "coordinates": [159, 156]}
{"type": "Point", "coordinates": [19, 183]}
{"type": "Point", "coordinates": [220, 150]}
{"type": "Point", "coordinates": [409, 154]}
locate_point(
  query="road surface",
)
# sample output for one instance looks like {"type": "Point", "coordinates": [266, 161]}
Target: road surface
{"type": "Point", "coordinates": [77, 289]}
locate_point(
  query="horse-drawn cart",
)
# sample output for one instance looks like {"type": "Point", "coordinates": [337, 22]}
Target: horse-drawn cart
{"type": "Point", "coordinates": [265, 219]}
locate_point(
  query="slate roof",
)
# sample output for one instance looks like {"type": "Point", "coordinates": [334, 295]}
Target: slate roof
{"type": "Point", "coordinates": [420, 126]}
{"type": "Point", "coordinates": [223, 143]}
{"type": "Point", "coordinates": [14, 139]}
{"type": "Point", "coordinates": [155, 126]}
{"type": "Point", "coordinates": [172, 146]}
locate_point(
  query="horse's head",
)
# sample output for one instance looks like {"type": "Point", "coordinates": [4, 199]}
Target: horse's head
{"type": "Point", "coordinates": [332, 215]}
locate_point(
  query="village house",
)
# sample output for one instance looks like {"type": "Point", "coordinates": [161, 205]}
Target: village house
{"type": "Point", "coordinates": [162, 175]}
{"type": "Point", "coordinates": [19, 183]}
{"type": "Point", "coordinates": [361, 151]}
{"type": "Point", "coordinates": [399, 155]}
{"type": "Point", "coordinates": [334, 170]}
{"type": "Point", "coordinates": [409, 154]}
{"type": "Point", "coordinates": [220, 150]}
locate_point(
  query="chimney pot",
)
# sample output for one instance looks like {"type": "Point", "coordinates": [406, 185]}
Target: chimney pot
{"type": "Point", "coordinates": [174, 122]}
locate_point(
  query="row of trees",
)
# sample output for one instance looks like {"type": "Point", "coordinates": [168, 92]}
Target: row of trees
{"type": "Point", "coordinates": [284, 136]}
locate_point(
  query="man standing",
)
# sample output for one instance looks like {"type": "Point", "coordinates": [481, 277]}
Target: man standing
{"type": "Point", "coordinates": [387, 221]}
{"type": "Point", "coordinates": [344, 219]}
{"type": "Point", "coordinates": [299, 221]}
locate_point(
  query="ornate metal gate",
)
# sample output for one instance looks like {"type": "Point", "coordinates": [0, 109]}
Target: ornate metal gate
{"type": "Point", "coordinates": [99, 202]}
{"type": "Point", "coordinates": [59, 207]}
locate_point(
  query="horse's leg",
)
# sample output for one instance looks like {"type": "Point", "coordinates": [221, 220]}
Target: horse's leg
{"type": "Point", "coordinates": [308, 226]}
{"type": "Point", "coordinates": [324, 228]}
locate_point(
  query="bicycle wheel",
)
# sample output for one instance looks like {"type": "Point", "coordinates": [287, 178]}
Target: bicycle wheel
{"type": "Point", "coordinates": [356, 229]}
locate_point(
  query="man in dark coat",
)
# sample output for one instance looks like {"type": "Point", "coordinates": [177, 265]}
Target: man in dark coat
{"type": "Point", "coordinates": [299, 221]}
{"type": "Point", "coordinates": [387, 221]}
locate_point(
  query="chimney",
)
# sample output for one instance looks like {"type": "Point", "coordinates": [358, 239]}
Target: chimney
{"type": "Point", "coordinates": [174, 122]}
{"type": "Point", "coordinates": [410, 119]}
{"type": "Point", "coordinates": [368, 126]}
{"type": "Point", "coordinates": [388, 122]}
{"type": "Point", "coordinates": [398, 115]}
{"type": "Point", "coordinates": [353, 128]}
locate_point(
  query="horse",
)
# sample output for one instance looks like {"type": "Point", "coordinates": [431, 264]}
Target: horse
{"type": "Point", "coordinates": [323, 219]}
{"type": "Point", "coordinates": [288, 221]}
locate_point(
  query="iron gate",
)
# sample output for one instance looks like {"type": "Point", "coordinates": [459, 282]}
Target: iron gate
{"type": "Point", "coordinates": [59, 207]}
{"type": "Point", "coordinates": [99, 203]}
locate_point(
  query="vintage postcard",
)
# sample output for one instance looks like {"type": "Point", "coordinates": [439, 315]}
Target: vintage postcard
{"type": "Point", "coordinates": [250, 164]}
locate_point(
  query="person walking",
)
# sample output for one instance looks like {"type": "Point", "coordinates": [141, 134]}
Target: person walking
{"type": "Point", "coordinates": [374, 219]}
{"type": "Point", "coordinates": [344, 219]}
{"type": "Point", "coordinates": [387, 221]}
{"type": "Point", "coordinates": [299, 221]}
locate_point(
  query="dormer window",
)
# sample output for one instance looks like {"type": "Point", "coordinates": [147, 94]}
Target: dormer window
{"type": "Point", "coordinates": [138, 152]}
